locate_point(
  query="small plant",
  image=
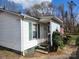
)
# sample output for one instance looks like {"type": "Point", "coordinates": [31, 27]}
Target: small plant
{"type": "Point", "coordinates": [57, 39]}
{"type": "Point", "coordinates": [66, 38]}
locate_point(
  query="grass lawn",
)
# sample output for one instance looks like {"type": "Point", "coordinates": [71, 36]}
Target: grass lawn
{"type": "Point", "coordinates": [74, 39]}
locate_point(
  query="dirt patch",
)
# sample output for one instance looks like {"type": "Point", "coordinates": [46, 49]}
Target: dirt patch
{"type": "Point", "coordinates": [4, 54]}
{"type": "Point", "coordinates": [68, 50]}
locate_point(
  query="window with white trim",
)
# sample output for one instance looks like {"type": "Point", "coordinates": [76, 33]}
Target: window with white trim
{"type": "Point", "coordinates": [35, 30]}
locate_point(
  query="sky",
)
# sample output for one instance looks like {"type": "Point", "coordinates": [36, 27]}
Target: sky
{"type": "Point", "coordinates": [19, 5]}
{"type": "Point", "coordinates": [76, 8]}
{"type": "Point", "coordinates": [27, 3]}
{"type": "Point", "coordinates": [58, 2]}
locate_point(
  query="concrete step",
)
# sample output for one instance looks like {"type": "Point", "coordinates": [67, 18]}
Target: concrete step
{"type": "Point", "coordinates": [42, 51]}
{"type": "Point", "coordinates": [44, 45]}
{"type": "Point", "coordinates": [41, 47]}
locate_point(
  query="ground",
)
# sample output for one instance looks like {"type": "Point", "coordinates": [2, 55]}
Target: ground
{"type": "Point", "coordinates": [62, 54]}
{"type": "Point", "coordinates": [69, 52]}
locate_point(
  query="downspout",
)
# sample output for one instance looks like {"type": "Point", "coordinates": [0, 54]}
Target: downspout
{"type": "Point", "coordinates": [22, 46]}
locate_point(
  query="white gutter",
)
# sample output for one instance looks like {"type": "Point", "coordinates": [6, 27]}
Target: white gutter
{"type": "Point", "coordinates": [17, 14]}
{"type": "Point", "coordinates": [27, 16]}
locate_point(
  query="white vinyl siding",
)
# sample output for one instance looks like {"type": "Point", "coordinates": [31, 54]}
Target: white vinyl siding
{"type": "Point", "coordinates": [26, 32]}
{"type": "Point", "coordinates": [54, 26]}
{"type": "Point", "coordinates": [10, 31]}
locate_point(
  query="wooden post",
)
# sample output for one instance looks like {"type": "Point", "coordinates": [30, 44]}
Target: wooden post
{"type": "Point", "coordinates": [50, 43]}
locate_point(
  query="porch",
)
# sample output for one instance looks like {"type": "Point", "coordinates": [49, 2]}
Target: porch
{"type": "Point", "coordinates": [41, 33]}
{"type": "Point", "coordinates": [48, 25]}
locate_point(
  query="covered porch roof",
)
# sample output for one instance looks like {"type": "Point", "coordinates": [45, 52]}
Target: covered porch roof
{"type": "Point", "coordinates": [45, 19]}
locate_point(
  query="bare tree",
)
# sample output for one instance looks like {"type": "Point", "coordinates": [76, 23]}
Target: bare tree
{"type": "Point", "coordinates": [68, 17]}
{"type": "Point", "coordinates": [42, 9]}
{"type": "Point", "coordinates": [72, 16]}
{"type": "Point", "coordinates": [67, 22]}
{"type": "Point", "coordinates": [61, 10]}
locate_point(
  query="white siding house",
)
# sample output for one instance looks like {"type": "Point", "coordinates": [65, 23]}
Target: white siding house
{"type": "Point", "coordinates": [14, 31]}
{"type": "Point", "coordinates": [10, 31]}
{"type": "Point", "coordinates": [20, 32]}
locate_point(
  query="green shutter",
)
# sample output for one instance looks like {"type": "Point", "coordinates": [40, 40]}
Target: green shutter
{"type": "Point", "coordinates": [30, 30]}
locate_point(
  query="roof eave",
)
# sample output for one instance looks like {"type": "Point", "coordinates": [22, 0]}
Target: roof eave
{"type": "Point", "coordinates": [17, 14]}
{"type": "Point", "coordinates": [52, 18]}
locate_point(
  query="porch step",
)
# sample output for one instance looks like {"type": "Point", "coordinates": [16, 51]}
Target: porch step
{"type": "Point", "coordinates": [42, 48]}
{"type": "Point", "coordinates": [44, 45]}
{"type": "Point", "coordinates": [42, 51]}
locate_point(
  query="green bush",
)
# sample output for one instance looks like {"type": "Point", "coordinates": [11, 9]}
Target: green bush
{"type": "Point", "coordinates": [66, 39]}
{"type": "Point", "coordinates": [58, 39]}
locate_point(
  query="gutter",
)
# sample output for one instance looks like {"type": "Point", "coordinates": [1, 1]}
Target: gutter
{"type": "Point", "coordinates": [17, 14]}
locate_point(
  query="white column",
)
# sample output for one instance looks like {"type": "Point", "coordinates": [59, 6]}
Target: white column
{"type": "Point", "coordinates": [51, 32]}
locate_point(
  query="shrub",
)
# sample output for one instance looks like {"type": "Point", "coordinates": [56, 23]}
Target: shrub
{"type": "Point", "coordinates": [58, 39]}
{"type": "Point", "coordinates": [66, 38]}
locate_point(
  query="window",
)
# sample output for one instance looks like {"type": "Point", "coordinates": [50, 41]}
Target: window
{"type": "Point", "coordinates": [34, 30]}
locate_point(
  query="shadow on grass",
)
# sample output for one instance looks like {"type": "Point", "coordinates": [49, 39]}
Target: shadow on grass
{"type": "Point", "coordinates": [75, 55]}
